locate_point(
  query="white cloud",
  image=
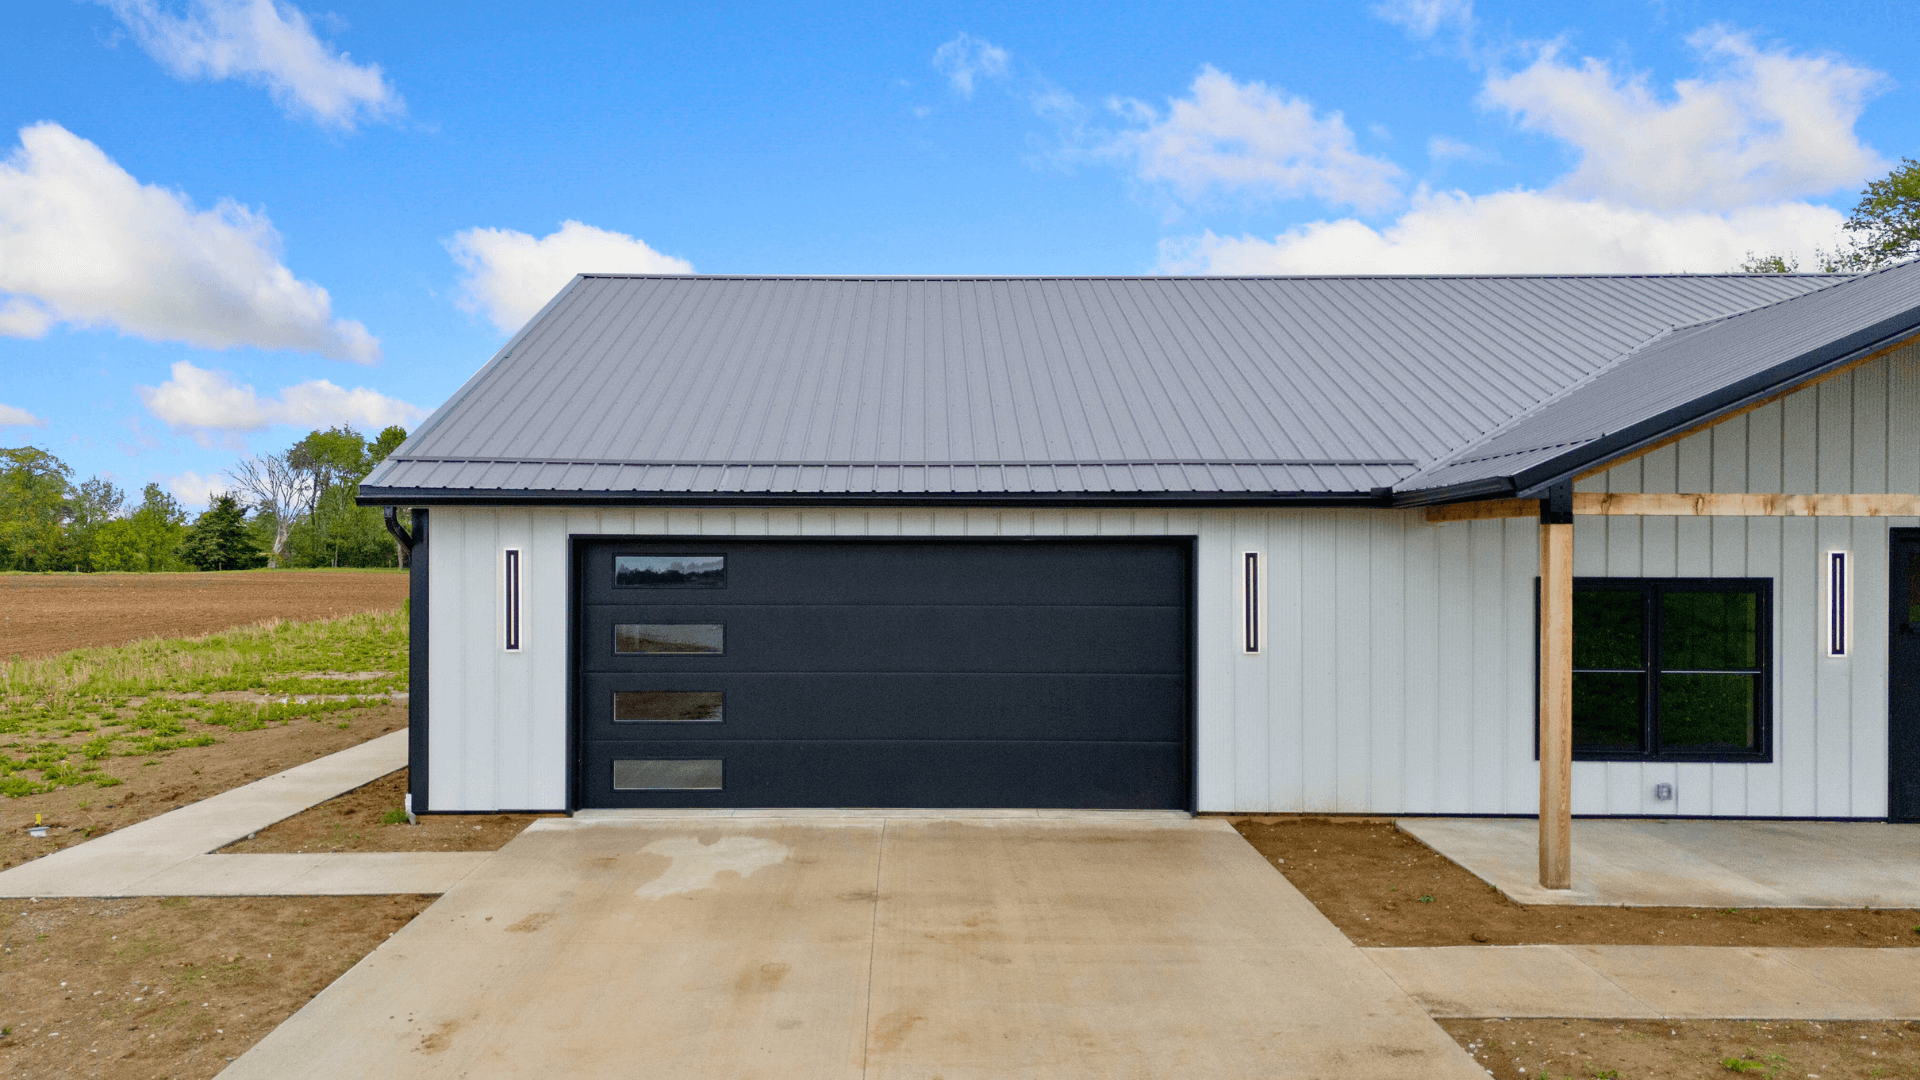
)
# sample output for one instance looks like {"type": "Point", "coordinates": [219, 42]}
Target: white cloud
{"type": "Point", "coordinates": [196, 399]}
{"type": "Point", "coordinates": [12, 416]}
{"type": "Point", "coordinates": [511, 275]}
{"type": "Point", "coordinates": [267, 43]}
{"type": "Point", "coordinates": [1230, 136]}
{"type": "Point", "coordinates": [194, 491]}
{"type": "Point", "coordinates": [1425, 18]}
{"type": "Point", "coordinates": [1443, 148]}
{"type": "Point", "coordinates": [1516, 232]}
{"type": "Point", "coordinates": [966, 58]}
{"type": "Point", "coordinates": [83, 242]}
{"type": "Point", "coordinates": [1762, 126]}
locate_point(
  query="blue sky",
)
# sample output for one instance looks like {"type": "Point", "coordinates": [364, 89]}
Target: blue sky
{"type": "Point", "coordinates": [224, 222]}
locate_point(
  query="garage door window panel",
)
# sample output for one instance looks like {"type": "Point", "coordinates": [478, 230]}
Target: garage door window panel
{"type": "Point", "coordinates": [667, 706]}
{"type": "Point", "coordinates": [669, 572]}
{"type": "Point", "coordinates": [631, 639]}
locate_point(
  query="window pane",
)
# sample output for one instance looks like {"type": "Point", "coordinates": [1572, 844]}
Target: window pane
{"type": "Point", "coordinates": [670, 571]}
{"type": "Point", "coordinates": [669, 638]}
{"type": "Point", "coordinates": [659, 775]}
{"type": "Point", "coordinates": [1609, 629]}
{"type": "Point", "coordinates": [655, 706]}
{"type": "Point", "coordinates": [1608, 711]}
{"type": "Point", "coordinates": [1708, 712]}
{"type": "Point", "coordinates": [1708, 630]}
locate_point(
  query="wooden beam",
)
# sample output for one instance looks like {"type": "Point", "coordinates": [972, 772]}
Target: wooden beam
{"type": "Point", "coordinates": [1634, 504]}
{"type": "Point", "coordinates": [1745, 505]}
{"type": "Point", "coordinates": [1556, 706]}
{"type": "Point", "coordinates": [1483, 510]}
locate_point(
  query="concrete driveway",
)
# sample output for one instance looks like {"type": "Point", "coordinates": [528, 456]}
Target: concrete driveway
{"type": "Point", "coordinates": [951, 945]}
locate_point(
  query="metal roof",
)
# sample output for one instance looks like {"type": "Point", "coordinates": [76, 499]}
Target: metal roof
{"type": "Point", "coordinates": [1684, 378]}
{"type": "Point", "coordinates": [629, 388]}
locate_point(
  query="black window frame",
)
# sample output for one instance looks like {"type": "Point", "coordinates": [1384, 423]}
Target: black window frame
{"type": "Point", "coordinates": [1651, 589]}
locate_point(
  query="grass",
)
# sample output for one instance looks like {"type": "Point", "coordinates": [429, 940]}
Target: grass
{"type": "Point", "coordinates": [65, 714]}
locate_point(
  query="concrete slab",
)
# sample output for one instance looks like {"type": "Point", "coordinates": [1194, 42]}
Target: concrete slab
{"type": "Point", "coordinates": [1686, 982]}
{"type": "Point", "coordinates": [792, 946]}
{"type": "Point", "coordinates": [314, 874]}
{"type": "Point", "coordinates": [1888, 979]}
{"type": "Point", "coordinates": [1507, 981]}
{"type": "Point", "coordinates": [112, 864]}
{"type": "Point", "coordinates": [1692, 863]}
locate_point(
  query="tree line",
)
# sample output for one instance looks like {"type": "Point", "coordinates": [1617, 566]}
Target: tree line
{"type": "Point", "coordinates": [291, 509]}
{"type": "Point", "coordinates": [1883, 229]}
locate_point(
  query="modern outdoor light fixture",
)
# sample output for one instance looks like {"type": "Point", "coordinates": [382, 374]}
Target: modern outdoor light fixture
{"type": "Point", "coordinates": [1839, 592]}
{"type": "Point", "coordinates": [510, 606]}
{"type": "Point", "coordinates": [1250, 593]}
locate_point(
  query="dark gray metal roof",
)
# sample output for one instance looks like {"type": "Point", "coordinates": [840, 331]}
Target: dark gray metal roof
{"type": "Point", "coordinates": [1681, 379]}
{"type": "Point", "coordinates": [629, 387]}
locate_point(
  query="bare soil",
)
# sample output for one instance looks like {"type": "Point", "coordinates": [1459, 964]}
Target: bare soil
{"type": "Point", "coordinates": [1380, 886]}
{"type": "Point", "coordinates": [1690, 1049]}
{"type": "Point", "coordinates": [152, 785]}
{"type": "Point", "coordinates": [149, 988]}
{"type": "Point", "coordinates": [352, 822]}
{"type": "Point", "coordinates": [44, 614]}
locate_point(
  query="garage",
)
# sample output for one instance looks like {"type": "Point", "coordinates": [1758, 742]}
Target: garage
{"type": "Point", "coordinates": [885, 673]}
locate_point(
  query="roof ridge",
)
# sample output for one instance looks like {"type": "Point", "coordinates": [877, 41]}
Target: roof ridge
{"type": "Point", "coordinates": [1837, 278]}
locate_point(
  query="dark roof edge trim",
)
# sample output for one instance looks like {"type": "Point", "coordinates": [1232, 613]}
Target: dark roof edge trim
{"type": "Point", "coordinates": [803, 500]}
{"type": "Point", "coordinates": [1493, 487]}
{"type": "Point", "coordinates": [1781, 378]}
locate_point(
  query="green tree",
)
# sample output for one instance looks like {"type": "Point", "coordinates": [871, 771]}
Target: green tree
{"type": "Point", "coordinates": [155, 529]}
{"type": "Point", "coordinates": [33, 509]}
{"type": "Point", "coordinates": [220, 539]}
{"type": "Point", "coordinates": [1884, 227]}
{"type": "Point", "coordinates": [93, 504]}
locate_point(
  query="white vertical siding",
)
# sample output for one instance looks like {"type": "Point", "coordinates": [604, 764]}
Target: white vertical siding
{"type": "Point", "coordinates": [1399, 670]}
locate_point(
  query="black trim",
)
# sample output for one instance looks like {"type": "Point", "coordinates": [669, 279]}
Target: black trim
{"type": "Point", "coordinates": [574, 631]}
{"type": "Point", "coordinates": [553, 497]}
{"type": "Point", "coordinates": [418, 627]}
{"type": "Point", "coordinates": [1763, 722]}
{"type": "Point", "coordinates": [392, 519]}
{"type": "Point", "coordinates": [1556, 508]}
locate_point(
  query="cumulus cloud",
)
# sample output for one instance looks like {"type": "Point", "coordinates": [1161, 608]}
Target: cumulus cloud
{"type": "Point", "coordinates": [1246, 138]}
{"type": "Point", "coordinates": [1425, 18]}
{"type": "Point", "coordinates": [269, 44]}
{"type": "Point", "coordinates": [83, 242]}
{"type": "Point", "coordinates": [967, 58]}
{"type": "Point", "coordinates": [1686, 181]}
{"type": "Point", "coordinates": [511, 275]}
{"type": "Point", "coordinates": [196, 399]}
{"type": "Point", "coordinates": [1515, 232]}
{"type": "Point", "coordinates": [194, 490]}
{"type": "Point", "coordinates": [12, 416]}
{"type": "Point", "coordinates": [1763, 125]}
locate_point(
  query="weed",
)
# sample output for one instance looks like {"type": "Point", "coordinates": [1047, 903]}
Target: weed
{"type": "Point", "coordinates": [394, 817]}
{"type": "Point", "coordinates": [1426, 898]}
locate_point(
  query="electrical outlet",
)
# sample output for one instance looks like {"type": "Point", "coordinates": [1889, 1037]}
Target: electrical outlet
{"type": "Point", "coordinates": [1662, 792]}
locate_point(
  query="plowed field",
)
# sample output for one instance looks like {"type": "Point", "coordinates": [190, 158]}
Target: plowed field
{"type": "Point", "coordinates": [42, 614]}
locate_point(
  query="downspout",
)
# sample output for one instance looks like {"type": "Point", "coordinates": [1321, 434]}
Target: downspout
{"type": "Point", "coordinates": [400, 534]}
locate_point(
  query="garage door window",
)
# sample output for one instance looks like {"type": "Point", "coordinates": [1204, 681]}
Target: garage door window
{"type": "Point", "coordinates": [667, 706]}
{"type": "Point", "coordinates": [698, 774]}
{"type": "Point", "coordinates": [670, 571]}
{"type": "Point", "coordinates": [680, 638]}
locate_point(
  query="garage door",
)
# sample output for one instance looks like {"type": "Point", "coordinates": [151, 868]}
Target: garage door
{"type": "Point", "coordinates": [980, 674]}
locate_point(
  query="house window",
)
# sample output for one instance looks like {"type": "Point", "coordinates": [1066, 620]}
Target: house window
{"type": "Point", "coordinates": [1672, 668]}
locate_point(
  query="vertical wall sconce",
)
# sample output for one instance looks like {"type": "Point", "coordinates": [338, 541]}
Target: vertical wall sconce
{"type": "Point", "coordinates": [1252, 603]}
{"type": "Point", "coordinates": [1839, 588]}
{"type": "Point", "coordinates": [510, 605]}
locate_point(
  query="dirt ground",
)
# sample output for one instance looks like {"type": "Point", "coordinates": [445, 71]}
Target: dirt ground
{"type": "Point", "coordinates": [352, 822]}
{"type": "Point", "coordinates": [43, 614]}
{"type": "Point", "coordinates": [153, 785]}
{"type": "Point", "coordinates": [1686, 1050]}
{"type": "Point", "coordinates": [1380, 886]}
{"type": "Point", "coordinates": [151, 988]}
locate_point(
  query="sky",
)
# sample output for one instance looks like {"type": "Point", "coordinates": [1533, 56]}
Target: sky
{"type": "Point", "coordinates": [224, 223]}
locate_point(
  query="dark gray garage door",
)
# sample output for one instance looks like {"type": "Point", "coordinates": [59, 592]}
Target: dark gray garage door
{"type": "Point", "coordinates": [791, 673]}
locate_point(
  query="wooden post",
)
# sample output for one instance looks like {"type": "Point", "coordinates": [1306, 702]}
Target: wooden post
{"type": "Point", "coordinates": [1556, 691]}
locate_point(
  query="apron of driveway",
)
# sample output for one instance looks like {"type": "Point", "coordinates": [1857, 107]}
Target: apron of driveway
{"type": "Point", "coordinates": [946, 945]}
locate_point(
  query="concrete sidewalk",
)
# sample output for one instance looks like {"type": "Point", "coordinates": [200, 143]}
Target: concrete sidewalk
{"type": "Point", "coordinates": [800, 945]}
{"type": "Point", "coordinates": [169, 855]}
{"type": "Point", "coordinates": [1666, 982]}
{"type": "Point", "coordinates": [1692, 863]}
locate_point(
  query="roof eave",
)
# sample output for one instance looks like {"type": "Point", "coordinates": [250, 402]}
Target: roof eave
{"type": "Point", "coordinates": [430, 497]}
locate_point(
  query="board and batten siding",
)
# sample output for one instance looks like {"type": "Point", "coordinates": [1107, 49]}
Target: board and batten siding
{"type": "Point", "coordinates": [1858, 432]}
{"type": "Point", "coordinates": [1398, 674]}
